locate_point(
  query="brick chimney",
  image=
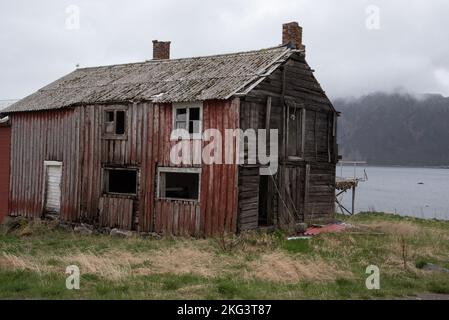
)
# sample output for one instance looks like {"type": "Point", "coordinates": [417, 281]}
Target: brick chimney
{"type": "Point", "coordinates": [161, 50]}
{"type": "Point", "coordinates": [292, 35]}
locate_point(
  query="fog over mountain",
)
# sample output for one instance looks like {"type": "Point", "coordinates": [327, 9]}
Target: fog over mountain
{"type": "Point", "coordinates": [395, 129]}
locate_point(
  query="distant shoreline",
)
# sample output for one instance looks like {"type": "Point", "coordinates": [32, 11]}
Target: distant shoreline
{"type": "Point", "coordinates": [396, 166]}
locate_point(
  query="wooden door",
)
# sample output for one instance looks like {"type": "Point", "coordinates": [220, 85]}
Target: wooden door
{"type": "Point", "coordinates": [53, 175]}
{"type": "Point", "coordinates": [293, 194]}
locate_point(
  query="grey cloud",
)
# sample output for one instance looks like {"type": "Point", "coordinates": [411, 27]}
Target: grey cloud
{"type": "Point", "coordinates": [409, 50]}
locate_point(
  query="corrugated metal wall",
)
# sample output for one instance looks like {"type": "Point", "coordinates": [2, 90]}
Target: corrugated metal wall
{"type": "Point", "coordinates": [38, 137]}
{"type": "Point", "coordinates": [5, 144]}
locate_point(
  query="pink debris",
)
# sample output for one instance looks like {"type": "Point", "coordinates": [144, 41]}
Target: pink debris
{"type": "Point", "coordinates": [334, 227]}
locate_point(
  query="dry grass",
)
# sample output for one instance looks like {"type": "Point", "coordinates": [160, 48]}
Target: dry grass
{"type": "Point", "coordinates": [243, 266]}
{"type": "Point", "coordinates": [405, 229]}
{"type": "Point", "coordinates": [10, 261]}
{"type": "Point", "coordinates": [274, 266]}
{"type": "Point", "coordinates": [196, 257]}
{"type": "Point", "coordinates": [280, 267]}
{"type": "Point", "coordinates": [182, 260]}
{"type": "Point", "coordinates": [118, 264]}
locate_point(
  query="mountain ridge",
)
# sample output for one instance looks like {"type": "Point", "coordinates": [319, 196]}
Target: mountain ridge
{"type": "Point", "coordinates": [394, 129]}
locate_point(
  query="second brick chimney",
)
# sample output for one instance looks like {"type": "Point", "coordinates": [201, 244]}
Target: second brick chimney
{"type": "Point", "coordinates": [292, 34]}
{"type": "Point", "coordinates": [161, 50]}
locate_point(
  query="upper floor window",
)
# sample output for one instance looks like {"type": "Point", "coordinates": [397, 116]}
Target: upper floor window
{"type": "Point", "coordinates": [188, 116]}
{"type": "Point", "coordinates": [296, 132]}
{"type": "Point", "coordinates": [114, 123]}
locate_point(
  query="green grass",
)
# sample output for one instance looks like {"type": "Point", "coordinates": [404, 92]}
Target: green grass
{"type": "Point", "coordinates": [297, 246]}
{"type": "Point", "coordinates": [261, 266]}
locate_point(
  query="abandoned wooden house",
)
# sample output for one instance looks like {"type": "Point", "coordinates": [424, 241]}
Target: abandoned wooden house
{"type": "Point", "coordinates": [94, 146]}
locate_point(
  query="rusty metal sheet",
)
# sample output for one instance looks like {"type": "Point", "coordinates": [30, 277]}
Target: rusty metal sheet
{"type": "Point", "coordinates": [5, 151]}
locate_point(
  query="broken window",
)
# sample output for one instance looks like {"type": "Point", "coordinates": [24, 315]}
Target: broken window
{"type": "Point", "coordinates": [120, 122]}
{"type": "Point", "coordinates": [181, 118]}
{"type": "Point", "coordinates": [295, 131]}
{"type": "Point", "coordinates": [194, 120]}
{"type": "Point", "coordinates": [179, 183]}
{"type": "Point", "coordinates": [120, 181]}
{"type": "Point", "coordinates": [188, 117]}
{"type": "Point", "coordinates": [110, 116]}
{"type": "Point", "coordinates": [115, 123]}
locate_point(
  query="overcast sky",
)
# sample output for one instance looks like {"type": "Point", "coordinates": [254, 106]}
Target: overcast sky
{"type": "Point", "coordinates": [353, 49]}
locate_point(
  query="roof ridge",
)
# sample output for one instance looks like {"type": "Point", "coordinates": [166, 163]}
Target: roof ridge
{"type": "Point", "coordinates": [185, 79]}
{"type": "Point", "coordinates": [188, 58]}
{"type": "Point", "coordinates": [155, 81]}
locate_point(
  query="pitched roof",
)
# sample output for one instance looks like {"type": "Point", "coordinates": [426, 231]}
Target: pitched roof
{"type": "Point", "coordinates": [6, 103]}
{"type": "Point", "coordinates": [175, 80]}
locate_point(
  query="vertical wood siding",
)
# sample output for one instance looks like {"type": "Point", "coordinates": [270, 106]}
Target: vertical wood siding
{"type": "Point", "coordinates": [297, 193]}
{"type": "Point", "coordinates": [219, 193]}
{"type": "Point", "coordinates": [248, 208]}
{"type": "Point", "coordinates": [216, 211]}
{"type": "Point", "coordinates": [293, 204]}
{"type": "Point", "coordinates": [75, 138]}
{"type": "Point", "coordinates": [115, 212]}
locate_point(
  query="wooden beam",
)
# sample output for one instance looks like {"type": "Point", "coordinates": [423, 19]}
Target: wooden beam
{"type": "Point", "coordinates": [315, 129]}
{"type": "Point", "coordinates": [306, 190]}
{"type": "Point", "coordinates": [268, 115]}
{"type": "Point", "coordinates": [303, 132]}
{"type": "Point", "coordinates": [284, 117]}
{"type": "Point", "coordinates": [353, 200]}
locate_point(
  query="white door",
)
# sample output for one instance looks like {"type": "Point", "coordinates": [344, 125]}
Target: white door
{"type": "Point", "coordinates": [53, 174]}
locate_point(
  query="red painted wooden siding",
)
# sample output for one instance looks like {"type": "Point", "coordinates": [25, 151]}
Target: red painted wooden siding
{"type": "Point", "coordinates": [75, 137]}
{"type": "Point", "coordinates": [216, 212]}
{"type": "Point", "coordinates": [5, 149]}
{"type": "Point", "coordinates": [219, 194]}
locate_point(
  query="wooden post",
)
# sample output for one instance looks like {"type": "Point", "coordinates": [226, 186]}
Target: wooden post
{"type": "Point", "coordinates": [284, 118]}
{"type": "Point", "coordinates": [268, 116]}
{"type": "Point", "coordinates": [353, 199]}
{"type": "Point", "coordinates": [306, 191]}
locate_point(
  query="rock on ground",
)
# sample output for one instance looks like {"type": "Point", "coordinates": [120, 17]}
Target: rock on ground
{"type": "Point", "coordinates": [120, 233]}
{"type": "Point", "coordinates": [83, 229]}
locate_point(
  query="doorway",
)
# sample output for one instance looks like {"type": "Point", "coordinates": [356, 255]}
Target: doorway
{"type": "Point", "coordinates": [52, 190]}
{"type": "Point", "coordinates": [263, 202]}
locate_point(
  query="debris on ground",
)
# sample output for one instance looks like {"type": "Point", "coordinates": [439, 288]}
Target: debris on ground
{"type": "Point", "coordinates": [332, 227]}
{"type": "Point", "coordinates": [306, 232]}
{"type": "Point", "coordinates": [434, 267]}
{"type": "Point", "coordinates": [301, 228]}
{"type": "Point", "coordinates": [299, 238]}
{"type": "Point", "coordinates": [120, 233]}
{"type": "Point", "coordinates": [83, 229]}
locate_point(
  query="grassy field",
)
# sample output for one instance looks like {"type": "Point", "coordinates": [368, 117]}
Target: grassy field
{"type": "Point", "coordinates": [251, 266]}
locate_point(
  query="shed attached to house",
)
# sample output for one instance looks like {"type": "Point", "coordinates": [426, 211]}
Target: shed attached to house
{"type": "Point", "coordinates": [5, 152]}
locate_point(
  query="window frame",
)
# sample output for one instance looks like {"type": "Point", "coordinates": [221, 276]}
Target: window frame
{"type": "Point", "coordinates": [188, 106]}
{"type": "Point", "coordinates": [105, 181]}
{"type": "Point", "coordinates": [303, 113]}
{"type": "Point", "coordinates": [161, 170]}
{"type": "Point", "coordinates": [105, 122]}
